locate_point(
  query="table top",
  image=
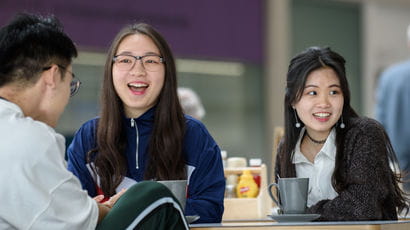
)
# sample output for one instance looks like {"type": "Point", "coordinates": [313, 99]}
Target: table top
{"type": "Point", "coordinates": [271, 224]}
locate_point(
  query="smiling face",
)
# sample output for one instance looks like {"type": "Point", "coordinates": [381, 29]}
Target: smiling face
{"type": "Point", "coordinates": [321, 104]}
{"type": "Point", "coordinates": [138, 88]}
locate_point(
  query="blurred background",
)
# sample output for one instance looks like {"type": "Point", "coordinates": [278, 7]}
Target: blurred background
{"type": "Point", "coordinates": [233, 53]}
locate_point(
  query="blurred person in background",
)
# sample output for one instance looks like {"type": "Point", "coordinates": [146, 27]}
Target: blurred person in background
{"type": "Point", "coordinates": [142, 133]}
{"type": "Point", "coordinates": [346, 157]}
{"type": "Point", "coordinates": [191, 103]}
{"type": "Point", "coordinates": [393, 111]}
{"type": "Point", "coordinates": [36, 82]}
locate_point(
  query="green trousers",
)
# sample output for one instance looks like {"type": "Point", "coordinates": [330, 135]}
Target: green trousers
{"type": "Point", "coordinates": [146, 205]}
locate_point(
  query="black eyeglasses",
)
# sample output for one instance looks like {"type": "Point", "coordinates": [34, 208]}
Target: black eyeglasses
{"type": "Point", "coordinates": [75, 82]}
{"type": "Point", "coordinates": [150, 62]}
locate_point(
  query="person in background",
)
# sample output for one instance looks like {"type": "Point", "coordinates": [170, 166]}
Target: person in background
{"type": "Point", "coordinates": [36, 82]}
{"type": "Point", "coordinates": [393, 111]}
{"type": "Point", "coordinates": [142, 133]}
{"type": "Point", "coordinates": [191, 103]}
{"type": "Point", "coordinates": [346, 157]}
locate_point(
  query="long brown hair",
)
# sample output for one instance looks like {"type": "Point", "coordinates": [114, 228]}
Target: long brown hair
{"type": "Point", "coordinates": [166, 160]}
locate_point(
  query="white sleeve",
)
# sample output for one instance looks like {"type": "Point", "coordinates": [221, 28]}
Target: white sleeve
{"type": "Point", "coordinates": [37, 190]}
{"type": "Point", "coordinates": [68, 208]}
{"type": "Point", "coordinates": [63, 203]}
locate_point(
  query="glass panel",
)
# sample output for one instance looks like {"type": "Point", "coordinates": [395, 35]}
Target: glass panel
{"type": "Point", "coordinates": [334, 24]}
{"type": "Point", "coordinates": [85, 104]}
{"type": "Point", "coordinates": [234, 108]}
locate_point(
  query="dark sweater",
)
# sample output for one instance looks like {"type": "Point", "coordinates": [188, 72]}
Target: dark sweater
{"type": "Point", "coordinates": [368, 194]}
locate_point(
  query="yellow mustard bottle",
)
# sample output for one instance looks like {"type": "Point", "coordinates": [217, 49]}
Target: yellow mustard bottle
{"type": "Point", "coordinates": [247, 187]}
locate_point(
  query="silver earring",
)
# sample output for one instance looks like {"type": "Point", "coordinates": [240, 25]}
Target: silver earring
{"type": "Point", "coordinates": [342, 125]}
{"type": "Point", "coordinates": [297, 125]}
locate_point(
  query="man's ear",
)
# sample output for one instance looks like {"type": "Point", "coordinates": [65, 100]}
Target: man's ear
{"type": "Point", "coordinates": [51, 76]}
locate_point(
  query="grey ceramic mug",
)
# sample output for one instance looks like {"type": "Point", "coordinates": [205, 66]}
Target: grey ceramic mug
{"type": "Point", "coordinates": [178, 189]}
{"type": "Point", "coordinates": [293, 193]}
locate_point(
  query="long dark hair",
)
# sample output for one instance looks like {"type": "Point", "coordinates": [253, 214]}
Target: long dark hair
{"type": "Point", "coordinates": [166, 160]}
{"type": "Point", "coordinates": [299, 69]}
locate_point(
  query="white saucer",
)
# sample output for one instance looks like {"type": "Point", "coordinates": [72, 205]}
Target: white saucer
{"type": "Point", "coordinates": [294, 217]}
{"type": "Point", "coordinates": [191, 219]}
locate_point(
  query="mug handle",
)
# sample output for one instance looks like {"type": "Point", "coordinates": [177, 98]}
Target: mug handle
{"type": "Point", "coordinates": [272, 196]}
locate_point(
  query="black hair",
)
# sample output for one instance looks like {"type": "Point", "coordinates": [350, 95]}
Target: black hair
{"type": "Point", "coordinates": [30, 43]}
{"type": "Point", "coordinates": [300, 67]}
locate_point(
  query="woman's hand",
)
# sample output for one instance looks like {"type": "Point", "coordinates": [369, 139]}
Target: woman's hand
{"type": "Point", "coordinates": [99, 198]}
{"type": "Point", "coordinates": [112, 199]}
{"type": "Point", "coordinates": [105, 207]}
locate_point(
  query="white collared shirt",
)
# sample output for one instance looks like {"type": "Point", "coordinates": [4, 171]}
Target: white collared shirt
{"type": "Point", "coordinates": [320, 172]}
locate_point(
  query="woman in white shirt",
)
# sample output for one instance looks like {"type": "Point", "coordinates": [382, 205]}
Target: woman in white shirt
{"type": "Point", "coordinates": [346, 157]}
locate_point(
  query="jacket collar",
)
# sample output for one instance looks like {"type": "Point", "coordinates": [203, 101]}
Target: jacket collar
{"type": "Point", "coordinates": [148, 116]}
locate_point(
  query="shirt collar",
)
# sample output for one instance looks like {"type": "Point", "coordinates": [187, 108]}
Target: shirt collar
{"type": "Point", "coordinates": [10, 105]}
{"type": "Point", "coordinates": [328, 149]}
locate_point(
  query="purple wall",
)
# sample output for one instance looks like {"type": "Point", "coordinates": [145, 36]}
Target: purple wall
{"type": "Point", "coordinates": [216, 29]}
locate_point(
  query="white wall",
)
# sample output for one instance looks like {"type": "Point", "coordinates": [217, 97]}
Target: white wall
{"type": "Point", "coordinates": [384, 42]}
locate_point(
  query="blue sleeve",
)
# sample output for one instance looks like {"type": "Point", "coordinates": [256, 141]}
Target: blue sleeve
{"type": "Point", "coordinates": [207, 182]}
{"type": "Point", "coordinates": [83, 142]}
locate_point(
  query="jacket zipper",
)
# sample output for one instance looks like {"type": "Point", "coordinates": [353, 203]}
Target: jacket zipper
{"type": "Point", "coordinates": [134, 124]}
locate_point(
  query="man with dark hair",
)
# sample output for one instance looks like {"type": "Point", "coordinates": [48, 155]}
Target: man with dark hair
{"type": "Point", "coordinates": [36, 82]}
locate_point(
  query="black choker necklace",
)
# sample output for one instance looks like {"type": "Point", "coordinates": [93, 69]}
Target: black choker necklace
{"type": "Point", "coordinates": [316, 141]}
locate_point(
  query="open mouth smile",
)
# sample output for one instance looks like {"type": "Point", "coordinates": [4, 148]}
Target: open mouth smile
{"type": "Point", "coordinates": [322, 116]}
{"type": "Point", "coordinates": [138, 88]}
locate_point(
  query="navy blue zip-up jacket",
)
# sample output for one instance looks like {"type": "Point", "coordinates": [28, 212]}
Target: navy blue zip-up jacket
{"type": "Point", "coordinates": [206, 182]}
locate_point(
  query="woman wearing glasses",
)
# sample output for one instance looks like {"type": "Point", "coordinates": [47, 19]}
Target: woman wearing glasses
{"type": "Point", "coordinates": [142, 133]}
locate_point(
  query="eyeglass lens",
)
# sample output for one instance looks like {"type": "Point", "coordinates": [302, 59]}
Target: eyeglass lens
{"type": "Point", "coordinates": [149, 62]}
{"type": "Point", "coordinates": [74, 86]}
